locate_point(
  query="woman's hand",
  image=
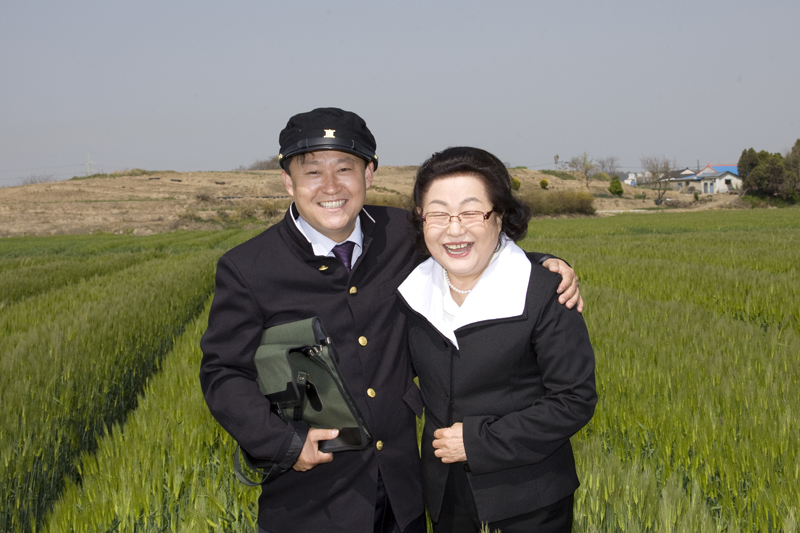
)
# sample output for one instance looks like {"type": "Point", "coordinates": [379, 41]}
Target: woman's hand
{"type": "Point", "coordinates": [568, 289]}
{"type": "Point", "coordinates": [449, 444]}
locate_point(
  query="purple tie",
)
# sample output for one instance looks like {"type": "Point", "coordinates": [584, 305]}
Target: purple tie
{"type": "Point", "coordinates": [344, 252]}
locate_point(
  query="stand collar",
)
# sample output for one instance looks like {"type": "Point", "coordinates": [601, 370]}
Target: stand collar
{"type": "Point", "coordinates": [500, 292]}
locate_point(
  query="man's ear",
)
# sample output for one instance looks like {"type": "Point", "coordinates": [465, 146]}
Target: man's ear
{"type": "Point", "coordinates": [287, 182]}
{"type": "Point", "coordinates": [369, 174]}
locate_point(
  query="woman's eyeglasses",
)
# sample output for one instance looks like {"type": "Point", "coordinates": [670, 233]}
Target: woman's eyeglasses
{"type": "Point", "coordinates": [438, 219]}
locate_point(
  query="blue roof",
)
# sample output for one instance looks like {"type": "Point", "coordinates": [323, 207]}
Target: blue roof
{"type": "Point", "coordinates": [695, 177]}
{"type": "Point", "coordinates": [733, 169]}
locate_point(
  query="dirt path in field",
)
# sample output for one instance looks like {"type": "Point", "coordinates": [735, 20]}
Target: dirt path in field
{"type": "Point", "coordinates": [607, 207]}
{"type": "Point", "coordinates": [152, 202]}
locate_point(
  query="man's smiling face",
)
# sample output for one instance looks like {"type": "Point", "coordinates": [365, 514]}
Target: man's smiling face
{"type": "Point", "coordinates": [329, 189]}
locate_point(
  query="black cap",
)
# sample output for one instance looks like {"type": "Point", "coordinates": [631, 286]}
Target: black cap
{"type": "Point", "coordinates": [327, 128]}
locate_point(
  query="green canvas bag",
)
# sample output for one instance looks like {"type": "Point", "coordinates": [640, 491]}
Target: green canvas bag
{"type": "Point", "coordinates": [298, 373]}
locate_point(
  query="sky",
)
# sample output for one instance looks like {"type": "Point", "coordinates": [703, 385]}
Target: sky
{"type": "Point", "coordinates": [200, 85]}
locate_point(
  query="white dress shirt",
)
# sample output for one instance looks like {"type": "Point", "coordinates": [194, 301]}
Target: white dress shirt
{"type": "Point", "coordinates": [499, 293]}
{"type": "Point", "coordinates": [323, 246]}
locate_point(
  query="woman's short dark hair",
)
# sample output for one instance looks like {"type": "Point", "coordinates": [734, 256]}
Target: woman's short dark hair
{"type": "Point", "coordinates": [465, 160]}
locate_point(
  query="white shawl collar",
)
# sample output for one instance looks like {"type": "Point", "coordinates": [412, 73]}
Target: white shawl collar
{"type": "Point", "coordinates": [501, 291]}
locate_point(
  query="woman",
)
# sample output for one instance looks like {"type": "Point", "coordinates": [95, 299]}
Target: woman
{"type": "Point", "coordinates": [506, 373]}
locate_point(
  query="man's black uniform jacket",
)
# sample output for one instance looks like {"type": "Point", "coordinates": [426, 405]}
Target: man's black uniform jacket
{"type": "Point", "coordinates": [275, 278]}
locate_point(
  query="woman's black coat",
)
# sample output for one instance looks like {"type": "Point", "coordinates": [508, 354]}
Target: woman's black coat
{"type": "Point", "coordinates": [521, 386]}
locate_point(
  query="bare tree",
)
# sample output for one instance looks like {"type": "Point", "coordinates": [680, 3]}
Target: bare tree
{"type": "Point", "coordinates": [273, 163]}
{"type": "Point", "coordinates": [37, 178]}
{"type": "Point", "coordinates": [583, 165]}
{"type": "Point", "coordinates": [609, 165]}
{"type": "Point", "coordinates": [656, 173]}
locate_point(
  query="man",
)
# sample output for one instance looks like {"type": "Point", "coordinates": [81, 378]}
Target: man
{"type": "Point", "coordinates": [330, 257]}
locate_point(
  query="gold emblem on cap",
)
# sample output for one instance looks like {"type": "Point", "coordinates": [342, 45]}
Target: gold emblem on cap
{"type": "Point", "coordinates": [323, 268]}
{"type": "Point", "coordinates": [280, 156]}
{"type": "Point", "coordinates": [329, 134]}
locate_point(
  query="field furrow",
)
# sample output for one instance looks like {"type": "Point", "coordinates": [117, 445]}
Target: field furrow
{"type": "Point", "coordinates": [707, 410]}
{"type": "Point", "coordinates": [761, 298]}
{"type": "Point", "coordinates": [23, 282]}
{"type": "Point", "coordinates": [693, 317]}
{"type": "Point", "coordinates": [174, 456]}
{"type": "Point", "coordinates": [74, 359]}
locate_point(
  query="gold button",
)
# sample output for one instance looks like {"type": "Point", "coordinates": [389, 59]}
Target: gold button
{"type": "Point", "coordinates": [371, 393]}
{"type": "Point", "coordinates": [362, 341]}
{"type": "Point", "coordinates": [323, 268]}
{"type": "Point", "coordinates": [353, 290]}
{"type": "Point", "coordinates": [379, 445]}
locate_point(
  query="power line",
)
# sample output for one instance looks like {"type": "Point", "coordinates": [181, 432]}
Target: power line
{"type": "Point", "coordinates": [90, 166]}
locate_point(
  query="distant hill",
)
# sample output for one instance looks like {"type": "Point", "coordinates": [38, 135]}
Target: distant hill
{"type": "Point", "coordinates": [146, 202]}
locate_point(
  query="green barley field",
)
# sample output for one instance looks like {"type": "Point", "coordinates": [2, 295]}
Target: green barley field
{"type": "Point", "coordinates": [695, 320]}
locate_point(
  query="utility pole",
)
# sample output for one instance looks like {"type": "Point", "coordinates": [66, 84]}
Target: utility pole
{"type": "Point", "coordinates": [89, 171]}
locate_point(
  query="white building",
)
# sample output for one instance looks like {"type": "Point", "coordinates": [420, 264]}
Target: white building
{"type": "Point", "coordinates": [711, 180]}
{"type": "Point", "coordinates": [636, 177]}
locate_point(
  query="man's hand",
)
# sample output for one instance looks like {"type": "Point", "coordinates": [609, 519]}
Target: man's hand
{"type": "Point", "coordinates": [569, 287]}
{"type": "Point", "coordinates": [310, 456]}
{"type": "Point", "coordinates": [449, 444]}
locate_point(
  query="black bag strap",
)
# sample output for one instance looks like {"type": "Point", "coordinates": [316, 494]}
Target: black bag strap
{"type": "Point", "coordinates": [302, 382]}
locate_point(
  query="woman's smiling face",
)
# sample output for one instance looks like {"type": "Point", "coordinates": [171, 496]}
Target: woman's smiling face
{"type": "Point", "coordinates": [463, 251]}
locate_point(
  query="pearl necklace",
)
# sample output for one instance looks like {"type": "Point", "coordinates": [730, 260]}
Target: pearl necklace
{"type": "Point", "coordinates": [447, 277]}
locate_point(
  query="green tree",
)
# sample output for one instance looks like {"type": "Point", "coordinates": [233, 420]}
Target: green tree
{"type": "Point", "coordinates": [792, 164]}
{"type": "Point", "coordinates": [767, 177]}
{"type": "Point", "coordinates": [616, 187]}
{"type": "Point", "coordinates": [747, 162]}
{"type": "Point", "coordinates": [766, 174]}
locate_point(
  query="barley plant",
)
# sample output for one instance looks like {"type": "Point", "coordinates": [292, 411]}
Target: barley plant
{"type": "Point", "coordinates": [78, 347]}
{"type": "Point", "coordinates": [694, 321]}
{"type": "Point", "coordinates": [168, 468]}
